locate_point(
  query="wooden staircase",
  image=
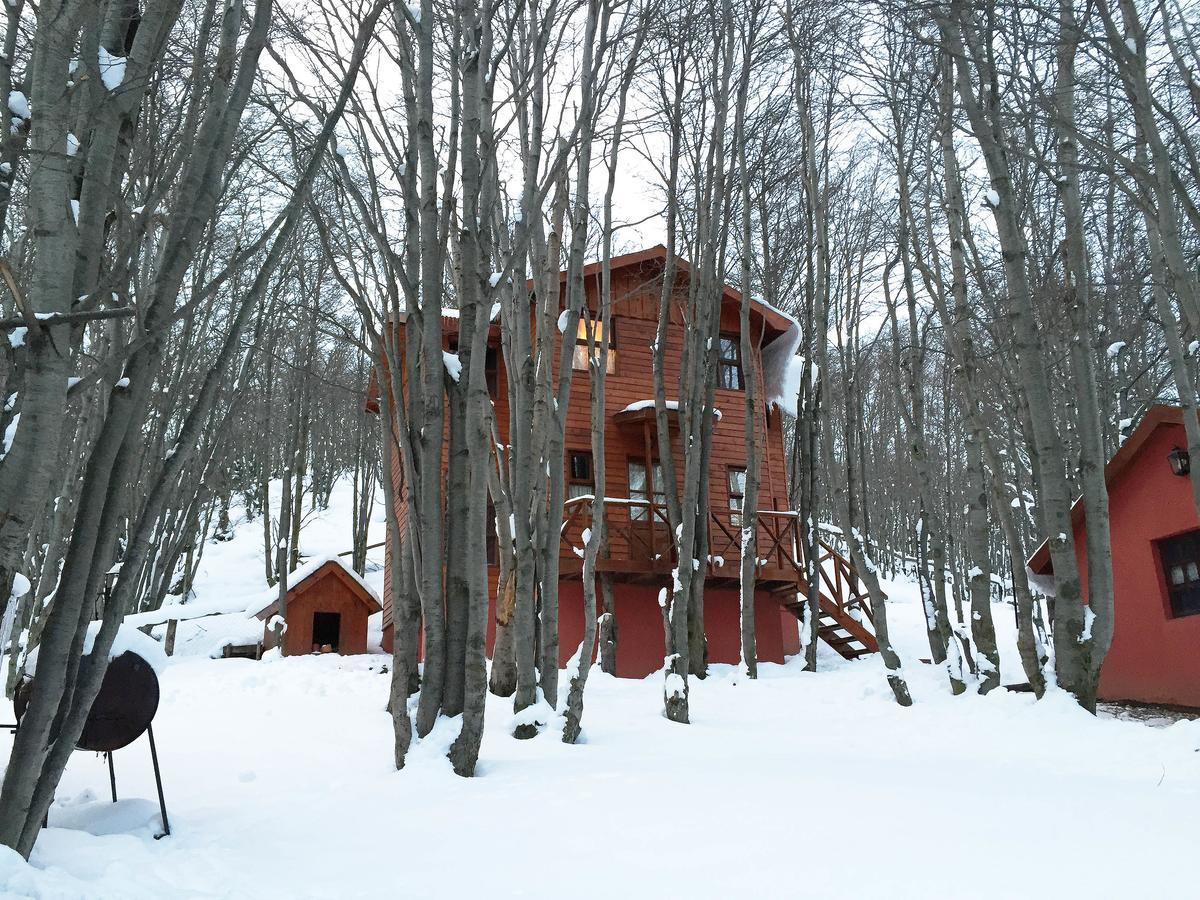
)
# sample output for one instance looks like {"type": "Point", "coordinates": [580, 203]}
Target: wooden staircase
{"type": "Point", "coordinates": [837, 627]}
{"type": "Point", "coordinates": [846, 615]}
{"type": "Point", "coordinates": [846, 623]}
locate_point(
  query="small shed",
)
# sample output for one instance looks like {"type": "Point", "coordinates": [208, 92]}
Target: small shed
{"type": "Point", "coordinates": [327, 609]}
{"type": "Point", "coordinates": [1155, 537]}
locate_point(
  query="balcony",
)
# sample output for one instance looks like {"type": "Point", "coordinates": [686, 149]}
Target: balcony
{"type": "Point", "coordinates": [639, 548]}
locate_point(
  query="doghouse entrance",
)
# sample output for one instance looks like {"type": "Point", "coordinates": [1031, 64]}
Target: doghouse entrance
{"type": "Point", "coordinates": [327, 629]}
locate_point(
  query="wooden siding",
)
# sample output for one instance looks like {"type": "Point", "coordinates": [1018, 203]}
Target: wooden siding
{"type": "Point", "coordinates": [327, 590]}
{"type": "Point", "coordinates": [635, 549]}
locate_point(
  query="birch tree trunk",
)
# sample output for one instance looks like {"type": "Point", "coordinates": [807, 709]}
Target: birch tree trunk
{"type": "Point", "coordinates": [1076, 659]}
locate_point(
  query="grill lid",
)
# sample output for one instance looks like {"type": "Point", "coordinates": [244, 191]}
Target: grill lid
{"type": "Point", "coordinates": [123, 710]}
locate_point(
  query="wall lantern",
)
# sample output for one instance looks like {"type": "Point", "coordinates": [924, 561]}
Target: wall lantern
{"type": "Point", "coordinates": [1180, 462]}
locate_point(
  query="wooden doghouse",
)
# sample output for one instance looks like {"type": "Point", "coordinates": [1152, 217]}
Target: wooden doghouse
{"type": "Point", "coordinates": [327, 610]}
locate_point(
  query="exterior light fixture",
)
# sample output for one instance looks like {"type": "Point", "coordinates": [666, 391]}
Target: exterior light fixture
{"type": "Point", "coordinates": [1181, 463]}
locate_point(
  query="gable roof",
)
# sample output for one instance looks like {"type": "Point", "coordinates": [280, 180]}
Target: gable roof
{"type": "Point", "coordinates": [1159, 414]}
{"type": "Point", "coordinates": [776, 318]}
{"type": "Point", "coordinates": [317, 570]}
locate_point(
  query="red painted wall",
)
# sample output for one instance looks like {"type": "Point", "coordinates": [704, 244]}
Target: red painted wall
{"type": "Point", "coordinates": [640, 647]}
{"type": "Point", "coordinates": [1154, 658]}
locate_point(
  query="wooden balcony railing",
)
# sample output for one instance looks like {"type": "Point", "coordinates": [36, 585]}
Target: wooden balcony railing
{"type": "Point", "coordinates": [639, 544]}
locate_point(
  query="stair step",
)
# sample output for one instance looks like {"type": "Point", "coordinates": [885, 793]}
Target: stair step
{"type": "Point", "coordinates": [842, 641]}
{"type": "Point", "coordinates": [836, 626]}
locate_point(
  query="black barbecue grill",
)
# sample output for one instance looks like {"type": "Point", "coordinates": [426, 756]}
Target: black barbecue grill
{"type": "Point", "coordinates": [121, 713]}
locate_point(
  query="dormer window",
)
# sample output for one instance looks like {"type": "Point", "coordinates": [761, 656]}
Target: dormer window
{"type": "Point", "coordinates": [580, 360]}
{"type": "Point", "coordinates": [729, 363]}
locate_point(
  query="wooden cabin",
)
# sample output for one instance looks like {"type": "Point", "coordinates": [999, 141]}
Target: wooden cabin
{"type": "Point", "coordinates": [639, 554]}
{"type": "Point", "coordinates": [328, 605]}
{"type": "Point", "coordinates": [1155, 538]}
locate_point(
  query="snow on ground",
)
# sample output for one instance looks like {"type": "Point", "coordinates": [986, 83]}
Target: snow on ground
{"type": "Point", "coordinates": [231, 585]}
{"type": "Point", "coordinates": [279, 783]}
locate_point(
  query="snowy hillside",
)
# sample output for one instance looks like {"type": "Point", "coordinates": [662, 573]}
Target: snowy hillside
{"type": "Point", "coordinates": [231, 584]}
{"type": "Point", "coordinates": [279, 783]}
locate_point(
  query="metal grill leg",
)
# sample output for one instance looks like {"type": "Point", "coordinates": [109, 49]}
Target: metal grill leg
{"type": "Point", "coordinates": [112, 776]}
{"type": "Point", "coordinates": [162, 803]}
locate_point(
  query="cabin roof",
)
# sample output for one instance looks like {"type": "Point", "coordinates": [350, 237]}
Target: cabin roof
{"type": "Point", "coordinates": [1157, 415]}
{"type": "Point", "coordinates": [314, 572]}
{"type": "Point", "coordinates": [777, 319]}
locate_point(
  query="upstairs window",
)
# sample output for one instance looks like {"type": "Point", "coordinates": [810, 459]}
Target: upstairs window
{"type": "Point", "coordinates": [491, 371]}
{"type": "Point", "coordinates": [737, 495]}
{"type": "Point", "coordinates": [639, 492]}
{"type": "Point", "coordinates": [580, 480]}
{"type": "Point", "coordinates": [729, 362]}
{"type": "Point", "coordinates": [1180, 557]}
{"type": "Point", "coordinates": [491, 542]}
{"type": "Point", "coordinates": [580, 361]}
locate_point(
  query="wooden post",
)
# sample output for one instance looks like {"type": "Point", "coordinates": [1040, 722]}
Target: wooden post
{"type": "Point", "coordinates": [172, 627]}
{"type": "Point", "coordinates": [649, 487]}
{"type": "Point", "coordinates": [608, 642]}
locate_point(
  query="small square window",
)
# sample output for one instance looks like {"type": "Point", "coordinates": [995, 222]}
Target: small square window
{"type": "Point", "coordinates": [579, 361]}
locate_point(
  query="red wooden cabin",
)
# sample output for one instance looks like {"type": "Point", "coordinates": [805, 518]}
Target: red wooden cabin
{"type": "Point", "coordinates": [1155, 535]}
{"type": "Point", "coordinates": [639, 555]}
{"type": "Point", "coordinates": [327, 610]}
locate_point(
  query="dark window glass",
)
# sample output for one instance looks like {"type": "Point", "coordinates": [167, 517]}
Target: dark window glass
{"type": "Point", "coordinates": [729, 363]}
{"type": "Point", "coordinates": [491, 370]}
{"type": "Point", "coordinates": [1180, 557]}
{"type": "Point", "coordinates": [491, 541]}
{"type": "Point", "coordinates": [580, 480]}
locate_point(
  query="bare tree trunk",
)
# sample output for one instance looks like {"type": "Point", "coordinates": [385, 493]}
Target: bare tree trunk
{"type": "Point", "coordinates": [983, 632]}
{"type": "Point", "coordinates": [751, 359]}
{"type": "Point", "coordinates": [1076, 657]}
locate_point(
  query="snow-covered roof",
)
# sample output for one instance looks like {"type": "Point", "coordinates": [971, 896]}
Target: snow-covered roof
{"type": "Point", "coordinates": [639, 405]}
{"type": "Point", "coordinates": [783, 370]}
{"type": "Point", "coordinates": [453, 312]}
{"type": "Point", "coordinates": [1161, 414]}
{"type": "Point", "coordinates": [302, 573]}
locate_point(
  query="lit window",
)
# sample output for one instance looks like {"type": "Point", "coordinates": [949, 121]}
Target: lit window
{"type": "Point", "coordinates": [1180, 557]}
{"type": "Point", "coordinates": [580, 360]}
{"type": "Point", "coordinates": [729, 363]}
{"type": "Point", "coordinates": [737, 495]}
{"type": "Point", "coordinates": [580, 480]}
{"type": "Point", "coordinates": [640, 510]}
